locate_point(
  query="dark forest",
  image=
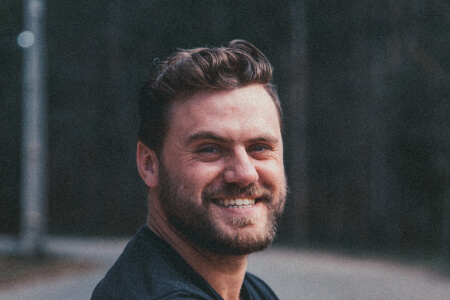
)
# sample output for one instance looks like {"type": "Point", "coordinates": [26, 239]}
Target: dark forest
{"type": "Point", "coordinates": [365, 89]}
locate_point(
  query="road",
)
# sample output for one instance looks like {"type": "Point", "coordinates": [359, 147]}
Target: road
{"type": "Point", "coordinates": [293, 274]}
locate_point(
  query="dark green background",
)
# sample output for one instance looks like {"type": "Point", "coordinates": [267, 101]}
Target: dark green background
{"type": "Point", "coordinates": [365, 90]}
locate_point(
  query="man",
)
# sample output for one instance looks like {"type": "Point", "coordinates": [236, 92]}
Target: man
{"type": "Point", "coordinates": [210, 150]}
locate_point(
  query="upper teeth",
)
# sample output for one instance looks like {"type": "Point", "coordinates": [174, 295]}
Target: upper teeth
{"type": "Point", "coordinates": [237, 203]}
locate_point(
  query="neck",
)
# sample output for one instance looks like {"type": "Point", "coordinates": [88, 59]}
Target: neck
{"type": "Point", "coordinates": [225, 273]}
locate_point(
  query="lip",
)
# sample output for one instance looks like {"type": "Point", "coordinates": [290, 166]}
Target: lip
{"type": "Point", "coordinates": [237, 203]}
{"type": "Point", "coordinates": [244, 211]}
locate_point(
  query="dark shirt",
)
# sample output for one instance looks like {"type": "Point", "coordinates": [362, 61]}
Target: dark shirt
{"type": "Point", "coordinates": [149, 268]}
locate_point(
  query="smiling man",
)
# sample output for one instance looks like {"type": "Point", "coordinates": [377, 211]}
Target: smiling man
{"type": "Point", "coordinates": [210, 150]}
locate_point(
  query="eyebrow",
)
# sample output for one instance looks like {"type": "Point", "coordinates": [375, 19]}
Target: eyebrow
{"type": "Point", "coordinates": [205, 135]}
{"type": "Point", "coordinates": [208, 135]}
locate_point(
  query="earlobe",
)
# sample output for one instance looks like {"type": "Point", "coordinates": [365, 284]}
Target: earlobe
{"type": "Point", "coordinates": [147, 164]}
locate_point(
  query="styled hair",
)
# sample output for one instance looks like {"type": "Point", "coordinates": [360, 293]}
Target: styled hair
{"type": "Point", "coordinates": [201, 69]}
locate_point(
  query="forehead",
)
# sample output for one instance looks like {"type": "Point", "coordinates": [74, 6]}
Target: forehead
{"type": "Point", "coordinates": [249, 108]}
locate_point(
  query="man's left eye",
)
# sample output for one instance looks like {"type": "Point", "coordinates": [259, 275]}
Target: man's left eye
{"type": "Point", "coordinates": [258, 148]}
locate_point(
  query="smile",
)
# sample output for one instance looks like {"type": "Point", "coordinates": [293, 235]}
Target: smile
{"type": "Point", "coordinates": [237, 203]}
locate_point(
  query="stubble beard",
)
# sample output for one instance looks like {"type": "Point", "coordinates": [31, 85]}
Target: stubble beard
{"type": "Point", "coordinates": [196, 222]}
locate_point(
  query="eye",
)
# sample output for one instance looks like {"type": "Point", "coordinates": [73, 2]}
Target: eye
{"type": "Point", "coordinates": [260, 151]}
{"type": "Point", "coordinates": [208, 152]}
{"type": "Point", "coordinates": [208, 149]}
{"type": "Point", "coordinates": [258, 148]}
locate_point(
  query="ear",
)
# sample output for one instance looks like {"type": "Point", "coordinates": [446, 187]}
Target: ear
{"type": "Point", "coordinates": [147, 164]}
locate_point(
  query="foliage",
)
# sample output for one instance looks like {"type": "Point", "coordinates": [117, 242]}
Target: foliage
{"type": "Point", "coordinates": [365, 92]}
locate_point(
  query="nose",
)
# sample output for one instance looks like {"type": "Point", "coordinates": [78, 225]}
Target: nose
{"type": "Point", "coordinates": [240, 169]}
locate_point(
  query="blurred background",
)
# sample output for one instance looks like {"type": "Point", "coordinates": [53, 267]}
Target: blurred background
{"type": "Point", "coordinates": [364, 87]}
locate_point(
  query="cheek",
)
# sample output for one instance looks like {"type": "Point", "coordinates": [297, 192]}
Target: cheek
{"type": "Point", "coordinates": [200, 173]}
{"type": "Point", "coordinates": [272, 174]}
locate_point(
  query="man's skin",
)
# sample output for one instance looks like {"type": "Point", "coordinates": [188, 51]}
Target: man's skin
{"type": "Point", "coordinates": [217, 138]}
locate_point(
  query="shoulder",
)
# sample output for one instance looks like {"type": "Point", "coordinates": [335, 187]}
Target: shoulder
{"type": "Point", "coordinates": [174, 295]}
{"type": "Point", "coordinates": [149, 268]}
{"type": "Point", "coordinates": [257, 288]}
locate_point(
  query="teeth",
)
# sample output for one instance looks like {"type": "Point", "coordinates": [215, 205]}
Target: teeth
{"type": "Point", "coordinates": [237, 203]}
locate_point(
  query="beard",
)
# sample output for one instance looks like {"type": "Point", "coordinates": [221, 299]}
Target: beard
{"type": "Point", "coordinates": [197, 223]}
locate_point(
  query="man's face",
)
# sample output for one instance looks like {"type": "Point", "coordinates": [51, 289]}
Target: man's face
{"type": "Point", "coordinates": [221, 177]}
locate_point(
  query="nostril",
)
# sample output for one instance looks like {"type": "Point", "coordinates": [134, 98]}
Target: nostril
{"type": "Point", "coordinates": [241, 169]}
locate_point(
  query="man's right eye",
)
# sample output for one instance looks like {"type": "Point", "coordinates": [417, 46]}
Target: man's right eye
{"type": "Point", "coordinates": [208, 149]}
{"type": "Point", "coordinates": [209, 152]}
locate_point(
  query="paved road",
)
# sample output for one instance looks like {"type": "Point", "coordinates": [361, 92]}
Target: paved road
{"type": "Point", "coordinates": [292, 274]}
{"type": "Point", "coordinates": [312, 276]}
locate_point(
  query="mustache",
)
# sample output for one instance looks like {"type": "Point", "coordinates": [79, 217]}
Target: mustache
{"type": "Point", "coordinates": [232, 190]}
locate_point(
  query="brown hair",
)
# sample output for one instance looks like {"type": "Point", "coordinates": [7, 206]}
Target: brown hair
{"type": "Point", "coordinates": [189, 71]}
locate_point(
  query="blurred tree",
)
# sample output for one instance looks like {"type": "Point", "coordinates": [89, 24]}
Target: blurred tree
{"type": "Point", "coordinates": [294, 83]}
{"type": "Point", "coordinates": [365, 91]}
{"type": "Point", "coordinates": [10, 114]}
